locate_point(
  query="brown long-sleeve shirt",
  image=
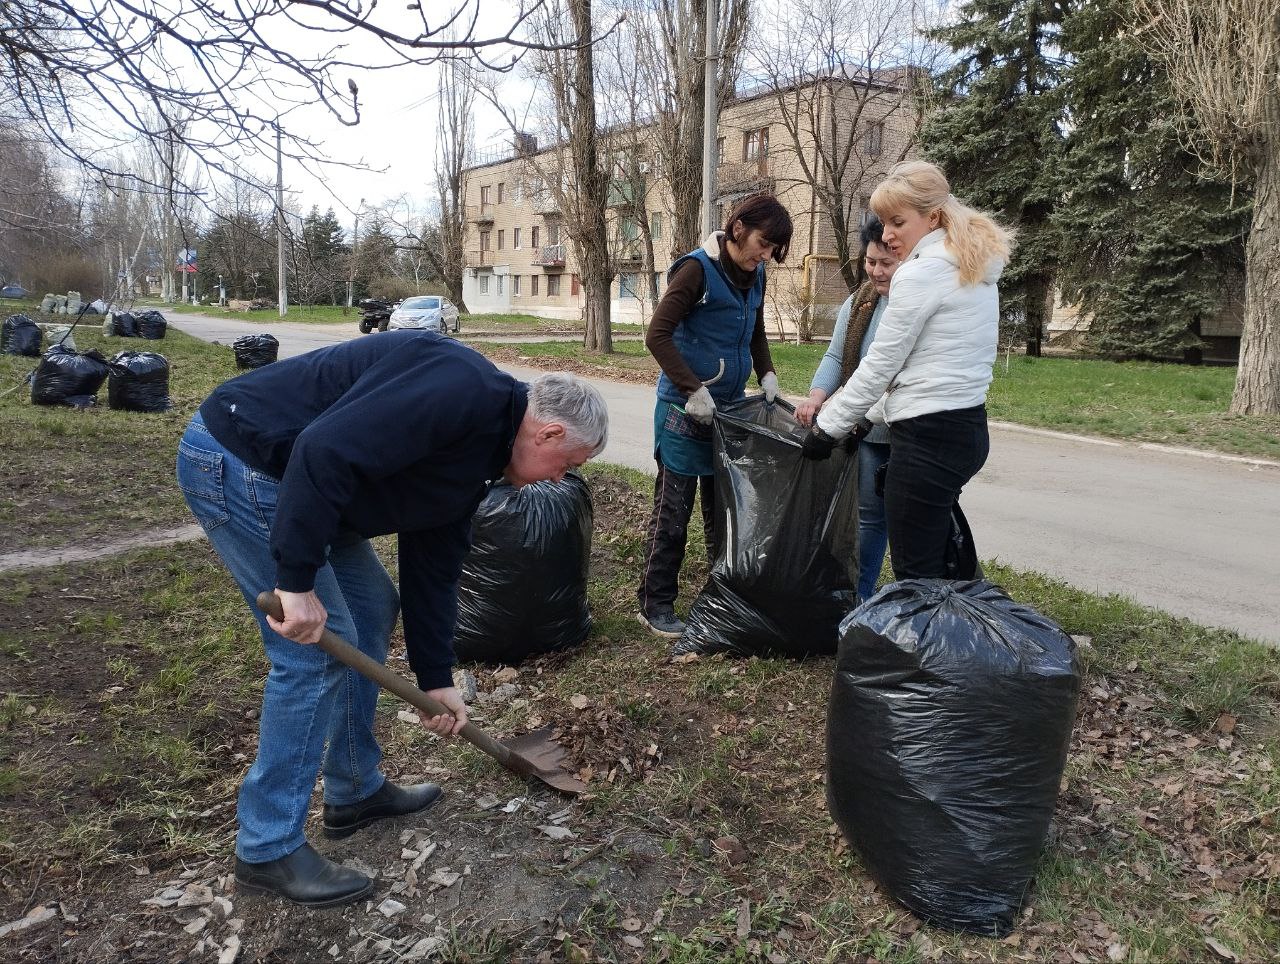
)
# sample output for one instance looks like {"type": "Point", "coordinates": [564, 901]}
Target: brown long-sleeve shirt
{"type": "Point", "coordinates": [683, 292]}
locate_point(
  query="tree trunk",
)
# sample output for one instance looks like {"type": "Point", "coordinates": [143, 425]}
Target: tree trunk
{"type": "Point", "coordinates": [1257, 390]}
{"type": "Point", "coordinates": [1035, 310]}
{"type": "Point", "coordinates": [599, 333]}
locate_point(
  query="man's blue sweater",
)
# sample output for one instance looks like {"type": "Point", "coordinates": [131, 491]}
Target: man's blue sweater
{"type": "Point", "coordinates": [396, 432]}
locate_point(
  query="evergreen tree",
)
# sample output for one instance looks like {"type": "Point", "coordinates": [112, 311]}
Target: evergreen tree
{"type": "Point", "coordinates": [999, 139]}
{"type": "Point", "coordinates": [319, 257]}
{"type": "Point", "coordinates": [1153, 242]}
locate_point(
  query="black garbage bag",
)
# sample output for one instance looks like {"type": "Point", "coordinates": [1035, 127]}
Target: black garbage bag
{"type": "Point", "coordinates": [66, 377]}
{"type": "Point", "coordinates": [254, 351]}
{"type": "Point", "coordinates": [524, 584]}
{"type": "Point", "coordinates": [787, 529]}
{"type": "Point", "coordinates": [151, 325]}
{"type": "Point", "coordinates": [947, 732]}
{"type": "Point", "coordinates": [139, 382]}
{"type": "Point", "coordinates": [21, 336]}
{"type": "Point", "coordinates": [124, 324]}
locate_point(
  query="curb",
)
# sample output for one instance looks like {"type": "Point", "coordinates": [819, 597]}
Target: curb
{"type": "Point", "coordinates": [1147, 446]}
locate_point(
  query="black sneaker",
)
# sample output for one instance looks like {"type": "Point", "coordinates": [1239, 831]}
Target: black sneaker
{"type": "Point", "coordinates": [665, 623]}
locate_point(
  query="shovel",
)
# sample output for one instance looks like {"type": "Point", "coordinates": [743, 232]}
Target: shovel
{"type": "Point", "coordinates": [535, 754]}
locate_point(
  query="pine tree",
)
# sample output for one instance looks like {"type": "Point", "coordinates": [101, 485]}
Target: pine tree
{"type": "Point", "coordinates": [999, 139]}
{"type": "Point", "coordinates": [1152, 242]}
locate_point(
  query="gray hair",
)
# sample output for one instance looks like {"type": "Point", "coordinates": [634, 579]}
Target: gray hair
{"type": "Point", "coordinates": [574, 403]}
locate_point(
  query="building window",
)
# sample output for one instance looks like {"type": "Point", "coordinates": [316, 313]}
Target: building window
{"type": "Point", "coordinates": [515, 286]}
{"type": "Point", "coordinates": [553, 286]}
{"type": "Point", "coordinates": [755, 144]}
{"type": "Point", "coordinates": [574, 284]}
{"type": "Point", "coordinates": [657, 281]}
{"type": "Point", "coordinates": [501, 185]}
{"type": "Point", "coordinates": [484, 284]}
{"type": "Point", "coordinates": [864, 205]}
{"type": "Point", "coordinates": [484, 196]}
{"type": "Point", "coordinates": [553, 234]}
{"type": "Point", "coordinates": [655, 225]}
{"type": "Point", "coordinates": [500, 236]}
{"type": "Point", "coordinates": [515, 238]}
{"type": "Point", "coordinates": [484, 240]}
{"type": "Point", "coordinates": [533, 283]}
{"type": "Point", "coordinates": [719, 150]}
{"type": "Point", "coordinates": [875, 138]}
{"type": "Point", "coordinates": [628, 285]}
{"type": "Point", "coordinates": [499, 286]}
{"type": "Point", "coordinates": [517, 192]}
{"type": "Point", "coordinates": [533, 236]}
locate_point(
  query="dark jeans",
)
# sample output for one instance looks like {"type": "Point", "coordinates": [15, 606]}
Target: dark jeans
{"type": "Point", "coordinates": [673, 496]}
{"type": "Point", "coordinates": [932, 457]}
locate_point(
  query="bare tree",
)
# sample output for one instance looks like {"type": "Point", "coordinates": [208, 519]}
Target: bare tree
{"type": "Point", "coordinates": [670, 38]}
{"type": "Point", "coordinates": [1223, 57]}
{"type": "Point", "coordinates": [455, 139]}
{"type": "Point", "coordinates": [846, 76]}
{"type": "Point", "coordinates": [571, 171]}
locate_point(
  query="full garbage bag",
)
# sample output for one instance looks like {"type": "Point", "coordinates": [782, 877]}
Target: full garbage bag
{"type": "Point", "coordinates": [947, 732]}
{"type": "Point", "coordinates": [151, 325]}
{"type": "Point", "coordinates": [19, 335]}
{"type": "Point", "coordinates": [65, 377]}
{"type": "Point", "coordinates": [787, 531]}
{"type": "Point", "coordinates": [139, 382]}
{"type": "Point", "coordinates": [523, 589]}
{"type": "Point", "coordinates": [254, 351]}
{"type": "Point", "coordinates": [123, 324]}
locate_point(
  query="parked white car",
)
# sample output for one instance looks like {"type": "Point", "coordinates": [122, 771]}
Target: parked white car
{"type": "Point", "coordinates": [426, 311]}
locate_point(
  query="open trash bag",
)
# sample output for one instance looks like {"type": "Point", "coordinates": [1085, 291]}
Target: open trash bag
{"type": "Point", "coordinates": [947, 732]}
{"type": "Point", "coordinates": [787, 529]}
{"type": "Point", "coordinates": [523, 589]}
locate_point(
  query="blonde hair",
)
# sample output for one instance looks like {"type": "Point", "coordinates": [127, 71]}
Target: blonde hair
{"type": "Point", "coordinates": [973, 237]}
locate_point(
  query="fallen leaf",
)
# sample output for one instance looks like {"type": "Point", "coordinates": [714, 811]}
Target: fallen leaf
{"type": "Point", "coordinates": [1225, 724]}
{"type": "Point", "coordinates": [556, 833]}
{"type": "Point", "coordinates": [744, 919]}
{"type": "Point", "coordinates": [1221, 949]}
{"type": "Point", "coordinates": [506, 674]}
{"type": "Point", "coordinates": [631, 924]}
{"type": "Point", "coordinates": [579, 702]}
{"type": "Point", "coordinates": [632, 941]}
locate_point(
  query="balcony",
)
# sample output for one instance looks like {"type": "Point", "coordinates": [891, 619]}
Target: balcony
{"type": "Point", "coordinates": [741, 177]}
{"type": "Point", "coordinates": [482, 214]}
{"type": "Point", "coordinates": [480, 258]}
{"type": "Point", "coordinates": [629, 252]}
{"type": "Point", "coordinates": [551, 257]}
{"type": "Point", "coordinates": [622, 194]}
{"type": "Point", "coordinates": [545, 203]}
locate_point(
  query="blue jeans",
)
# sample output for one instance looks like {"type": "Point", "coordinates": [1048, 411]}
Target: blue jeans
{"type": "Point", "coordinates": [316, 712]}
{"type": "Point", "coordinates": [873, 534]}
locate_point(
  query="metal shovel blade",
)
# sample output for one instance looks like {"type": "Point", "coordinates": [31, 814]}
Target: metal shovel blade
{"type": "Point", "coordinates": [547, 758]}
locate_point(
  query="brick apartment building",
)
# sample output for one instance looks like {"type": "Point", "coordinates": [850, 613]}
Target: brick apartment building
{"type": "Point", "coordinates": [519, 257]}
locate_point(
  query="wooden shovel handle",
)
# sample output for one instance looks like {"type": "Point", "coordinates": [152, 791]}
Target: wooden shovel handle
{"type": "Point", "coordinates": [344, 652]}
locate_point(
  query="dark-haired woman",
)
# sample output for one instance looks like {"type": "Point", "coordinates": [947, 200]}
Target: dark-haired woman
{"type": "Point", "coordinates": [707, 334]}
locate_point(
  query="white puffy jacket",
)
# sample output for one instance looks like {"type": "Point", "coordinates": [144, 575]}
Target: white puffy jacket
{"type": "Point", "coordinates": [934, 348]}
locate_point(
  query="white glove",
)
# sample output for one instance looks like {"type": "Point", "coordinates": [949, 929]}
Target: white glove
{"type": "Point", "coordinates": [770, 386]}
{"type": "Point", "coordinates": [700, 407]}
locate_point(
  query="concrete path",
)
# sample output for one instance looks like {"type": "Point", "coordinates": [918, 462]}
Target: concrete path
{"type": "Point", "coordinates": [1198, 537]}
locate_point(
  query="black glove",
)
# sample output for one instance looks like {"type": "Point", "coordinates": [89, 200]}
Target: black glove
{"type": "Point", "coordinates": [861, 430]}
{"type": "Point", "coordinates": [818, 445]}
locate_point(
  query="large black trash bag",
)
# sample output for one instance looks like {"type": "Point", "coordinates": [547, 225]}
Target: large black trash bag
{"type": "Point", "coordinates": [947, 732]}
{"type": "Point", "coordinates": [787, 529]}
{"type": "Point", "coordinates": [254, 351]}
{"type": "Point", "coordinates": [21, 336]}
{"type": "Point", "coordinates": [524, 584]}
{"type": "Point", "coordinates": [124, 324]}
{"type": "Point", "coordinates": [65, 377]}
{"type": "Point", "coordinates": [151, 325]}
{"type": "Point", "coordinates": [139, 382]}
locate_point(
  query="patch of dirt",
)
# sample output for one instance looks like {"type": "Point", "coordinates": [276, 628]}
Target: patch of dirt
{"type": "Point", "coordinates": [628, 368]}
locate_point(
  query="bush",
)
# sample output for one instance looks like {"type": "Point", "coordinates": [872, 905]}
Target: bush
{"type": "Point", "coordinates": [396, 289]}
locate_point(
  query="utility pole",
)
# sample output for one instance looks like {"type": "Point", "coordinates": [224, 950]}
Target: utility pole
{"type": "Point", "coordinates": [355, 248]}
{"type": "Point", "coordinates": [710, 120]}
{"type": "Point", "coordinates": [284, 295]}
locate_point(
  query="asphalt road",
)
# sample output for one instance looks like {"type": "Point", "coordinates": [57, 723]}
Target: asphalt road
{"type": "Point", "coordinates": [1198, 537]}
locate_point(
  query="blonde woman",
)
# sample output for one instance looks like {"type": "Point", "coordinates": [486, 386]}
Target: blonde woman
{"type": "Point", "coordinates": [926, 372]}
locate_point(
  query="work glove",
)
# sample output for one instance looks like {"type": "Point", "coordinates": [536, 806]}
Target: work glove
{"type": "Point", "coordinates": [701, 407]}
{"type": "Point", "coordinates": [818, 445]}
{"type": "Point", "coordinates": [770, 386]}
{"type": "Point", "coordinates": [861, 430]}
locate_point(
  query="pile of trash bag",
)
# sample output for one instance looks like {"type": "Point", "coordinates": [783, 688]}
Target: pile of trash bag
{"type": "Point", "coordinates": [254, 351]}
{"type": "Point", "coordinates": [19, 335]}
{"type": "Point", "coordinates": [151, 324]}
{"type": "Point", "coordinates": [523, 589]}
{"type": "Point", "coordinates": [139, 382]}
{"type": "Point", "coordinates": [947, 733]}
{"type": "Point", "coordinates": [67, 377]}
{"type": "Point", "coordinates": [787, 530]}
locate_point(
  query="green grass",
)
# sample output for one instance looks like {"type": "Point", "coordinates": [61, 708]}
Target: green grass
{"type": "Point", "coordinates": [1178, 405]}
{"type": "Point", "coordinates": [515, 324]}
{"type": "Point", "coordinates": [314, 314]}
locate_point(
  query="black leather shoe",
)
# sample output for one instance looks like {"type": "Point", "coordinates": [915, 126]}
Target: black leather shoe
{"type": "Point", "coordinates": [389, 801]}
{"type": "Point", "coordinates": [304, 877]}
